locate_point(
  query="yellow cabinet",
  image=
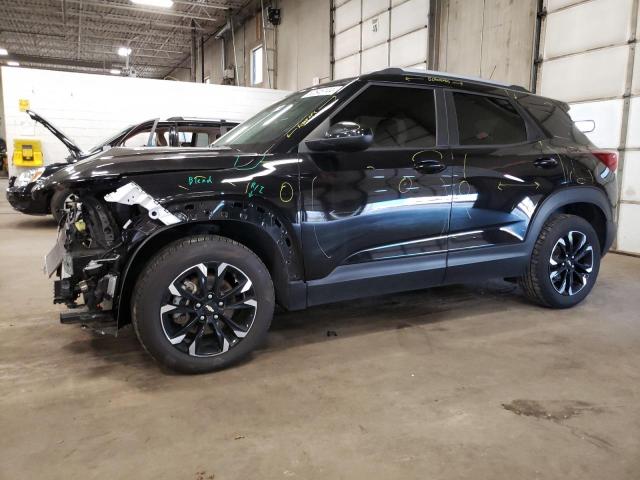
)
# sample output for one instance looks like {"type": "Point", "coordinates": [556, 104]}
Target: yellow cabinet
{"type": "Point", "coordinates": [27, 153]}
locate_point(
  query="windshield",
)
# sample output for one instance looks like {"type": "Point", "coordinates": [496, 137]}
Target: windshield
{"type": "Point", "coordinates": [110, 140]}
{"type": "Point", "coordinates": [265, 129]}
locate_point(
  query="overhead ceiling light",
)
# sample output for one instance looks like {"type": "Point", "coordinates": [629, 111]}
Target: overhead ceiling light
{"type": "Point", "coordinates": [124, 51]}
{"type": "Point", "coordinates": [3, 51]}
{"type": "Point", "coordinates": [13, 63]}
{"type": "Point", "coordinates": [115, 71]}
{"type": "Point", "coordinates": [154, 3]}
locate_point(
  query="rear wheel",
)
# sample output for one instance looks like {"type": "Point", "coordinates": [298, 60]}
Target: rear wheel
{"type": "Point", "coordinates": [202, 303]}
{"type": "Point", "coordinates": [564, 264]}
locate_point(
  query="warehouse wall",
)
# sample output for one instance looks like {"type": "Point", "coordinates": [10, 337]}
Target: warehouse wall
{"type": "Point", "coordinates": [89, 108]}
{"type": "Point", "coordinates": [302, 48]}
{"type": "Point", "coordinates": [2, 128]}
{"type": "Point", "coordinates": [591, 60]}
{"type": "Point", "coordinates": [213, 68]}
{"type": "Point", "coordinates": [487, 38]}
{"type": "Point", "coordinates": [303, 43]}
{"type": "Point", "coordinates": [377, 34]}
{"type": "Point", "coordinates": [212, 64]}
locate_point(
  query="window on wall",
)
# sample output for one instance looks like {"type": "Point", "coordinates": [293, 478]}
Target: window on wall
{"type": "Point", "coordinates": [256, 65]}
{"type": "Point", "coordinates": [488, 120]}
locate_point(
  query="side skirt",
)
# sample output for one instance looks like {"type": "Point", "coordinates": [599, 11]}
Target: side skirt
{"type": "Point", "coordinates": [487, 262]}
{"type": "Point", "coordinates": [368, 279]}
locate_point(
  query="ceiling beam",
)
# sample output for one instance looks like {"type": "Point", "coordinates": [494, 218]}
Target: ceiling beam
{"type": "Point", "coordinates": [129, 8]}
{"type": "Point", "coordinates": [100, 17]}
{"type": "Point", "coordinates": [78, 63]}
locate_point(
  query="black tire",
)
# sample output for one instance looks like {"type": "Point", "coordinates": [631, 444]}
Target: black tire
{"type": "Point", "coordinates": [167, 269]}
{"type": "Point", "coordinates": [57, 202]}
{"type": "Point", "coordinates": [543, 282]}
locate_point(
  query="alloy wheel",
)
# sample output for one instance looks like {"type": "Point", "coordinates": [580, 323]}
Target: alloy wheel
{"type": "Point", "coordinates": [208, 309]}
{"type": "Point", "coordinates": [571, 263]}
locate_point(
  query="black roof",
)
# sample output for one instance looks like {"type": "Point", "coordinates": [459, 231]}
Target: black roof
{"type": "Point", "coordinates": [438, 78]}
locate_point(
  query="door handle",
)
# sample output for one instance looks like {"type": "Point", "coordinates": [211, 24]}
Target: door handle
{"type": "Point", "coordinates": [546, 162]}
{"type": "Point", "coordinates": [429, 166]}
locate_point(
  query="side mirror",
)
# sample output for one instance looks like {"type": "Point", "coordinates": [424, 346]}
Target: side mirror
{"type": "Point", "coordinates": [343, 137]}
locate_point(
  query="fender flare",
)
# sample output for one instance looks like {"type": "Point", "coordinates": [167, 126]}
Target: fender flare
{"type": "Point", "coordinates": [203, 217]}
{"type": "Point", "coordinates": [567, 196]}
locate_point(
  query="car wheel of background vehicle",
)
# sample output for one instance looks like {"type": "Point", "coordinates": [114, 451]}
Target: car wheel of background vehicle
{"type": "Point", "coordinates": [564, 264]}
{"type": "Point", "coordinates": [202, 303]}
{"type": "Point", "coordinates": [58, 202]}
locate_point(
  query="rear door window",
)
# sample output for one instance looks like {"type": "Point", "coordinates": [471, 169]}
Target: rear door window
{"type": "Point", "coordinates": [484, 120]}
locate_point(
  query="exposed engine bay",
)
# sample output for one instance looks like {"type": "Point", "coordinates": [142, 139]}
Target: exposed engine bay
{"type": "Point", "coordinates": [86, 258]}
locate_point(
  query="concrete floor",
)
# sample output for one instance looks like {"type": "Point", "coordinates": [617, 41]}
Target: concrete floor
{"type": "Point", "coordinates": [450, 383]}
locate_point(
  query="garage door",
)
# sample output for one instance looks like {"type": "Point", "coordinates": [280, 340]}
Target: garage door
{"type": "Point", "coordinates": [374, 34]}
{"type": "Point", "coordinates": [591, 61]}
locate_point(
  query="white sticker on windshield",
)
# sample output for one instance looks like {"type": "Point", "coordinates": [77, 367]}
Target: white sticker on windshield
{"type": "Point", "coordinates": [319, 92]}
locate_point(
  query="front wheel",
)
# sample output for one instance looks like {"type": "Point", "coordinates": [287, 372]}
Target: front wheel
{"type": "Point", "coordinates": [202, 303]}
{"type": "Point", "coordinates": [564, 264]}
{"type": "Point", "coordinates": [59, 201]}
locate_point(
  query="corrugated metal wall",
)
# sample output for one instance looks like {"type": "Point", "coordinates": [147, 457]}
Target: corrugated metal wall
{"type": "Point", "coordinates": [590, 59]}
{"type": "Point", "coordinates": [373, 34]}
{"type": "Point", "coordinates": [487, 38]}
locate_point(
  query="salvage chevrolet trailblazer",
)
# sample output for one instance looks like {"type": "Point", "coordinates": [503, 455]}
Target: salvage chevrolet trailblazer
{"type": "Point", "coordinates": [396, 180]}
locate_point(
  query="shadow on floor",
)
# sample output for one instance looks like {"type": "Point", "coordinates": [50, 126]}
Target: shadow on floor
{"type": "Point", "coordinates": [34, 222]}
{"type": "Point", "coordinates": [425, 308]}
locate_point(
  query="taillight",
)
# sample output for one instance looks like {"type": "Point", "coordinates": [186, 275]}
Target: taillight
{"type": "Point", "coordinates": [608, 158]}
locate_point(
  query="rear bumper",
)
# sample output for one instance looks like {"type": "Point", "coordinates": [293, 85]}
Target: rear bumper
{"type": "Point", "coordinates": [21, 200]}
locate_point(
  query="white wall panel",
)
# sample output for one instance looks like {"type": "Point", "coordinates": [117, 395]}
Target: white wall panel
{"type": "Point", "coordinates": [633, 131]}
{"type": "Point", "coordinates": [375, 30]}
{"type": "Point", "coordinates": [586, 52]}
{"type": "Point", "coordinates": [347, 43]}
{"type": "Point", "coordinates": [347, 67]}
{"type": "Point", "coordinates": [391, 33]}
{"type": "Point", "coordinates": [409, 49]}
{"type": "Point", "coordinates": [607, 116]}
{"type": "Point", "coordinates": [635, 86]}
{"type": "Point", "coordinates": [589, 25]}
{"type": "Point", "coordinates": [375, 58]}
{"type": "Point", "coordinates": [373, 7]}
{"type": "Point", "coordinates": [421, 66]}
{"type": "Point", "coordinates": [630, 191]}
{"type": "Point", "coordinates": [556, 4]}
{"type": "Point", "coordinates": [347, 15]}
{"type": "Point", "coordinates": [629, 228]}
{"type": "Point", "coordinates": [409, 16]}
{"type": "Point", "coordinates": [90, 108]}
{"type": "Point", "coordinates": [592, 75]}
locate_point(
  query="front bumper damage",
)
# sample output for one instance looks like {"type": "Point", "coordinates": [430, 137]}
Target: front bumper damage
{"type": "Point", "coordinates": [88, 255]}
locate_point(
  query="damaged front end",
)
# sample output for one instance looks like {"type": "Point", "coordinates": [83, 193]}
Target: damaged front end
{"type": "Point", "coordinates": [86, 261]}
{"type": "Point", "coordinates": [90, 252]}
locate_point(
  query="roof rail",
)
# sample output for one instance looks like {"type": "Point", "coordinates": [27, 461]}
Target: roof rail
{"type": "Point", "coordinates": [195, 119]}
{"type": "Point", "coordinates": [418, 71]}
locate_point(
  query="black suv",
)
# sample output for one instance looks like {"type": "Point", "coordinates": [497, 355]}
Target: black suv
{"type": "Point", "coordinates": [396, 180]}
{"type": "Point", "coordinates": [172, 132]}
